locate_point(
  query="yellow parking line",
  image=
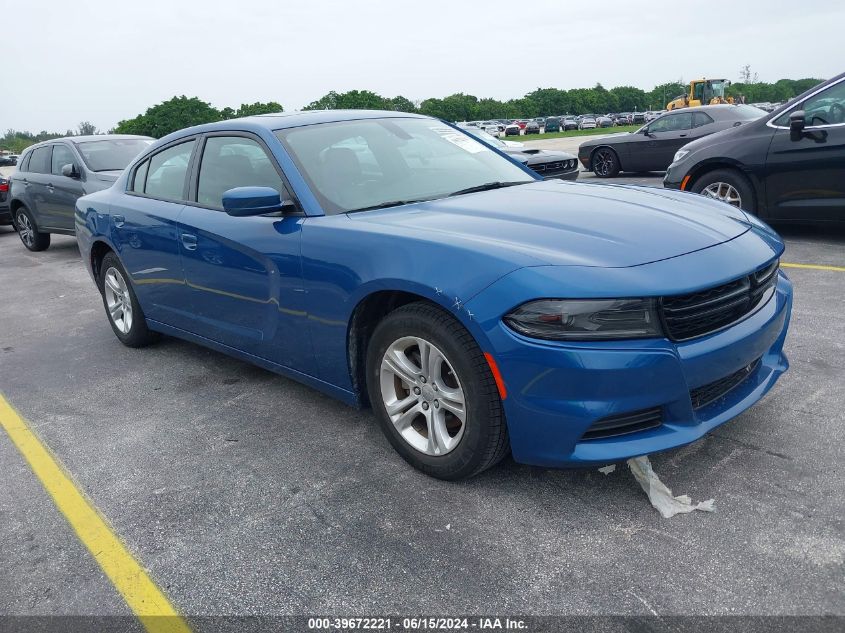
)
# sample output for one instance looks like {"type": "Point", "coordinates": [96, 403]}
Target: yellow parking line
{"type": "Point", "coordinates": [838, 269]}
{"type": "Point", "coordinates": [142, 596]}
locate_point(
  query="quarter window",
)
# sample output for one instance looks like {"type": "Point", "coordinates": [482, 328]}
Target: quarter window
{"type": "Point", "coordinates": [232, 161]}
{"type": "Point", "coordinates": [140, 178]}
{"type": "Point", "coordinates": [700, 118]}
{"type": "Point", "coordinates": [39, 161]}
{"type": "Point", "coordinates": [167, 172]}
{"type": "Point", "coordinates": [61, 156]}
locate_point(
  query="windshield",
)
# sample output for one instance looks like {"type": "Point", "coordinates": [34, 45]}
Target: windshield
{"type": "Point", "coordinates": [112, 154]}
{"type": "Point", "coordinates": [487, 138]}
{"type": "Point", "coordinates": [356, 165]}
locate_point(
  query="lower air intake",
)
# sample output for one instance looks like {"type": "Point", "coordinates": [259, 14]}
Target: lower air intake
{"type": "Point", "coordinates": [624, 423]}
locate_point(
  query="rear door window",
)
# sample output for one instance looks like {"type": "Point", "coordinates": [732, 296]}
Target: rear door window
{"type": "Point", "coordinates": [168, 171]}
{"type": "Point", "coordinates": [39, 161]}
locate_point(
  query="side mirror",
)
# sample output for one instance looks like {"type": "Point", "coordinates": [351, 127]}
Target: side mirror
{"type": "Point", "coordinates": [797, 120]}
{"type": "Point", "coordinates": [646, 132]}
{"type": "Point", "coordinates": [247, 201]}
{"type": "Point", "coordinates": [69, 171]}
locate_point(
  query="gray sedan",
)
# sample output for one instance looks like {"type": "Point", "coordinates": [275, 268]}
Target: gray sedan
{"type": "Point", "coordinates": [652, 147]}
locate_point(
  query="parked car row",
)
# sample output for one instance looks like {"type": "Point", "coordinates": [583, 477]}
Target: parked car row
{"type": "Point", "coordinates": [785, 165]}
{"type": "Point", "coordinates": [549, 164]}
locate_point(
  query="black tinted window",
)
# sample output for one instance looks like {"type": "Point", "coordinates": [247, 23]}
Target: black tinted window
{"type": "Point", "coordinates": [700, 118]}
{"type": "Point", "coordinates": [229, 162]}
{"type": "Point", "coordinates": [39, 161]}
{"type": "Point", "coordinates": [167, 172]}
{"type": "Point", "coordinates": [61, 156]}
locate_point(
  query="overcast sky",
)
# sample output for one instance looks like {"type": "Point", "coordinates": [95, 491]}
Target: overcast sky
{"type": "Point", "coordinates": [103, 61]}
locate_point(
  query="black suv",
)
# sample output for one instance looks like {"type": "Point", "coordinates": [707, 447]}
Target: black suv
{"type": "Point", "coordinates": [789, 165]}
{"type": "Point", "coordinates": [51, 176]}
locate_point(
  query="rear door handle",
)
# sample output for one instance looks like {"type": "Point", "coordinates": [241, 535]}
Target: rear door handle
{"type": "Point", "coordinates": [119, 220]}
{"type": "Point", "coordinates": [50, 187]}
{"type": "Point", "coordinates": [189, 241]}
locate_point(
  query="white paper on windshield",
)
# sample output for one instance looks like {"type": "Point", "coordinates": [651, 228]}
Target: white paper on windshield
{"type": "Point", "coordinates": [464, 141]}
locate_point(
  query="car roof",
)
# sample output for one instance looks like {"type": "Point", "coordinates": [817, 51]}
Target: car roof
{"type": "Point", "coordinates": [92, 137]}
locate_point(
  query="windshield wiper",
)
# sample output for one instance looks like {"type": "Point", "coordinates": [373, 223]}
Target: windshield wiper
{"type": "Point", "coordinates": [488, 186]}
{"type": "Point", "coordinates": [385, 205]}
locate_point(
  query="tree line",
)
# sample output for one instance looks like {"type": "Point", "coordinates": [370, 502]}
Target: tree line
{"type": "Point", "coordinates": [181, 112]}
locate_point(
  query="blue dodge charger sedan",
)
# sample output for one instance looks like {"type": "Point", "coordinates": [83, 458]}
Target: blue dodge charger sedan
{"type": "Point", "coordinates": [394, 261]}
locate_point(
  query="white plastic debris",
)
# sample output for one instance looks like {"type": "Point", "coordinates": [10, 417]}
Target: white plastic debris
{"type": "Point", "coordinates": [659, 495]}
{"type": "Point", "coordinates": [606, 470]}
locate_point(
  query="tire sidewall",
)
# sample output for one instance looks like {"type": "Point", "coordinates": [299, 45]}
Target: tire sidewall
{"type": "Point", "coordinates": [40, 241]}
{"type": "Point", "coordinates": [733, 178]}
{"type": "Point", "coordinates": [138, 332]}
{"type": "Point", "coordinates": [463, 460]}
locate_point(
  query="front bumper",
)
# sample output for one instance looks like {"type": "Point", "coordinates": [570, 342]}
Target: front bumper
{"type": "Point", "coordinates": [556, 391]}
{"type": "Point", "coordinates": [567, 175]}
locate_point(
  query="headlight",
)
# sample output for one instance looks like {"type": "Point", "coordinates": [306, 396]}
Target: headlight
{"type": "Point", "coordinates": [587, 319]}
{"type": "Point", "coordinates": [680, 154]}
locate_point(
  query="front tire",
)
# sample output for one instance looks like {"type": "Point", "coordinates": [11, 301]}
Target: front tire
{"type": "Point", "coordinates": [727, 185]}
{"type": "Point", "coordinates": [605, 163]}
{"type": "Point", "coordinates": [28, 231]}
{"type": "Point", "coordinates": [433, 393]}
{"type": "Point", "coordinates": [122, 308]}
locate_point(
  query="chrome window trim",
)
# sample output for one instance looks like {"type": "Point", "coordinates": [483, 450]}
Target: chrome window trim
{"type": "Point", "coordinates": [770, 122]}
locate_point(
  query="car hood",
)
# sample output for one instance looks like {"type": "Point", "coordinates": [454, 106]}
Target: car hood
{"type": "Point", "coordinates": [534, 156]}
{"type": "Point", "coordinates": [568, 224]}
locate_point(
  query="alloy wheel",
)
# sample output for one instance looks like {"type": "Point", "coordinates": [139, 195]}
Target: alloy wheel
{"type": "Point", "coordinates": [118, 300]}
{"type": "Point", "coordinates": [26, 230]}
{"type": "Point", "coordinates": [603, 162]}
{"type": "Point", "coordinates": [423, 396]}
{"type": "Point", "coordinates": [723, 191]}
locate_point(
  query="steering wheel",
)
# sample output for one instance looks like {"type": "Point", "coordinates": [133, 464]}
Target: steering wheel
{"type": "Point", "coordinates": [837, 113]}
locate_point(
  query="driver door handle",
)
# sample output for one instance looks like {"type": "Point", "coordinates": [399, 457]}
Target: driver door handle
{"type": "Point", "coordinates": [189, 241]}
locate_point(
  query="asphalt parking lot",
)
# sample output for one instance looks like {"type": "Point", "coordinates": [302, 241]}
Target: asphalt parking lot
{"type": "Point", "coordinates": [244, 493]}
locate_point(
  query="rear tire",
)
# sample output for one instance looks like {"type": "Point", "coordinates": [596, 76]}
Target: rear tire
{"type": "Point", "coordinates": [605, 163]}
{"type": "Point", "coordinates": [28, 231]}
{"type": "Point", "coordinates": [122, 308]}
{"type": "Point", "coordinates": [727, 185]}
{"type": "Point", "coordinates": [446, 417]}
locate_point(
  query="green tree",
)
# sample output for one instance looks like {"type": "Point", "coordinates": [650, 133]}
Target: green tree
{"type": "Point", "coordinates": [402, 104]}
{"type": "Point", "coordinates": [175, 114]}
{"type": "Point", "coordinates": [86, 128]}
{"type": "Point", "coordinates": [252, 109]}
{"type": "Point", "coordinates": [630, 99]}
{"type": "Point", "coordinates": [660, 95]}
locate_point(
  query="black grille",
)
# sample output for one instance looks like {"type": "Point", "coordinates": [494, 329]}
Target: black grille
{"type": "Point", "coordinates": [556, 167]}
{"type": "Point", "coordinates": [625, 423]}
{"type": "Point", "coordinates": [699, 313]}
{"type": "Point", "coordinates": [702, 396]}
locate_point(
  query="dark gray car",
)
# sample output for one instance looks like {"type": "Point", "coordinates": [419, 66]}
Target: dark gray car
{"type": "Point", "coordinates": [652, 147]}
{"type": "Point", "coordinates": [548, 164]}
{"type": "Point", "coordinates": [51, 176]}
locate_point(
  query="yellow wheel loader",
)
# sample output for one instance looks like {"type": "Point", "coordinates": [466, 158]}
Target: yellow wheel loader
{"type": "Point", "coordinates": [702, 92]}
